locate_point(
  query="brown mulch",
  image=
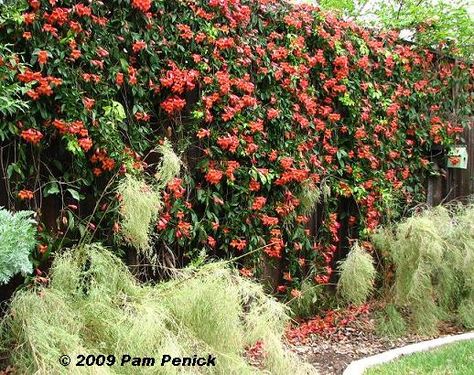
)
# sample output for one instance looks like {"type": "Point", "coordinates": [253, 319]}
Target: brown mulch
{"type": "Point", "coordinates": [331, 355]}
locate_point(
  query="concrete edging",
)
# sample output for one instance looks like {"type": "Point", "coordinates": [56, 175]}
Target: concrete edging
{"type": "Point", "coordinates": [358, 367]}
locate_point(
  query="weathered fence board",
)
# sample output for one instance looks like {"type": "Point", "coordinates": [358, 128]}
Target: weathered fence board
{"type": "Point", "coordinates": [460, 182]}
{"type": "Point", "coordinates": [454, 183]}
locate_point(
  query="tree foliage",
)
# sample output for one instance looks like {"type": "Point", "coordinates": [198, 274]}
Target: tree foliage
{"type": "Point", "coordinates": [446, 25]}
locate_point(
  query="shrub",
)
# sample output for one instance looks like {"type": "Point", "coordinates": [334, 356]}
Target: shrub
{"type": "Point", "coordinates": [93, 305]}
{"type": "Point", "coordinates": [357, 276]}
{"type": "Point", "coordinates": [17, 241]}
{"type": "Point", "coordinates": [463, 238]}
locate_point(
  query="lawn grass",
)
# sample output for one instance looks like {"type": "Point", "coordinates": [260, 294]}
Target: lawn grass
{"type": "Point", "coordinates": [454, 359]}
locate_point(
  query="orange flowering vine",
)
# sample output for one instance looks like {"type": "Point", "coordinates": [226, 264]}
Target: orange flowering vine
{"type": "Point", "coordinates": [25, 194]}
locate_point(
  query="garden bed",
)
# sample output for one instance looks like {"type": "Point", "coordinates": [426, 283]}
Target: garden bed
{"type": "Point", "coordinates": [331, 354]}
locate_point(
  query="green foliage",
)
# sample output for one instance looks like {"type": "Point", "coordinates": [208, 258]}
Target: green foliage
{"type": "Point", "coordinates": [433, 255]}
{"type": "Point", "coordinates": [93, 305]}
{"type": "Point", "coordinates": [390, 323]}
{"type": "Point", "coordinates": [11, 10]}
{"type": "Point", "coordinates": [463, 238]}
{"type": "Point", "coordinates": [17, 241]}
{"type": "Point", "coordinates": [433, 22]}
{"type": "Point", "coordinates": [311, 302]}
{"type": "Point", "coordinates": [353, 111]}
{"type": "Point", "coordinates": [466, 312]}
{"type": "Point", "coordinates": [115, 111]}
{"type": "Point", "coordinates": [453, 358]}
{"type": "Point", "coordinates": [139, 208]}
{"type": "Point", "coordinates": [445, 24]}
{"type": "Point", "coordinates": [344, 6]}
{"type": "Point", "coordinates": [11, 92]}
{"type": "Point", "coordinates": [357, 276]}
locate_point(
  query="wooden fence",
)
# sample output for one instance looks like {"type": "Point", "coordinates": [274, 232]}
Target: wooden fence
{"type": "Point", "coordinates": [451, 184]}
{"type": "Point", "coordinates": [454, 183]}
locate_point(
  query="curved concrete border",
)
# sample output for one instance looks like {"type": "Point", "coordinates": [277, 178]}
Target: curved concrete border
{"type": "Point", "coordinates": [358, 367]}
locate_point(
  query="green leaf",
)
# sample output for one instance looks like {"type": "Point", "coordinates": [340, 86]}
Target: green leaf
{"type": "Point", "coordinates": [116, 111]}
{"type": "Point", "coordinates": [52, 188]}
{"type": "Point", "coordinates": [12, 168]}
{"type": "Point", "coordinates": [75, 194]}
{"type": "Point", "coordinates": [73, 147]}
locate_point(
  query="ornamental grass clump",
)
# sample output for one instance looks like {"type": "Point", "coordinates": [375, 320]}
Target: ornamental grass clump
{"type": "Point", "coordinates": [389, 322]}
{"type": "Point", "coordinates": [463, 238]}
{"type": "Point", "coordinates": [139, 208]}
{"type": "Point", "coordinates": [170, 164]}
{"type": "Point", "coordinates": [309, 197]}
{"type": "Point", "coordinates": [433, 256]}
{"type": "Point", "coordinates": [357, 275]}
{"type": "Point", "coordinates": [93, 305]}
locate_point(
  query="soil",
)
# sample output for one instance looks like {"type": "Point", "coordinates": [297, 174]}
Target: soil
{"type": "Point", "coordinates": [331, 355]}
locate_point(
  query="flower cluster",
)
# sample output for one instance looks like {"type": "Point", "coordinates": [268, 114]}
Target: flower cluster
{"type": "Point", "coordinates": [44, 85]}
{"type": "Point", "coordinates": [32, 136]}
